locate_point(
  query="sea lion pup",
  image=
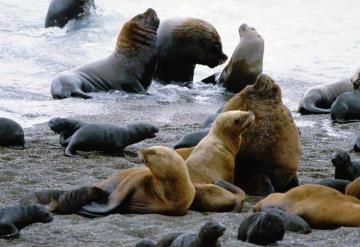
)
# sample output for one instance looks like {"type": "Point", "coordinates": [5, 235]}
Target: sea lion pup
{"type": "Point", "coordinates": [338, 184]}
{"type": "Point", "coordinates": [246, 62]}
{"type": "Point", "coordinates": [162, 187]}
{"type": "Point", "coordinates": [320, 206]}
{"type": "Point", "coordinates": [11, 134]}
{"type": "Point", "coordinates": [65, 202]}
{"type": "Point", "coordinates": [108, 138]}
{"type": "Point", "coordinates": [213, 158]}
{"type": "Point", "coordinates": [60, 12]}
{"type": "Point", "coordinates": [65, 127]}
{"type": "Point", "coordinates": [208, 236]}
{"type": "Point", "coordinates": [129, 68]}
{"type": "Point", "coordinates": [13, 219]}
{"type": "Point", "coordinates": [345, 168]}
{"type": "Point", "coordinates": [292, 222]}
{"type": "Point", "coordinates": [261, 229]}
{"type": "Point", "coordinates": [270, 149]}
{"type": "Point", "coordinates": [182, 43]}
{"type": "Point", "coordinates": [191, 139]}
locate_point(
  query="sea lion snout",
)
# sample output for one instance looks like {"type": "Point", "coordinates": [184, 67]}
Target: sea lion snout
{"type": "Point", "coordinates": [152, 18]}
{"type": "Point", "coordinates": [340, 158]}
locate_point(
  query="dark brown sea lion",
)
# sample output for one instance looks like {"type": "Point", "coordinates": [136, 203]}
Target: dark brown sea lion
{"type": "Point", "coordinates": [129, 68]}
{"type": "Point", "coordinates": [270, 149]}
{"type": "Point", "coordinates": [60, 12]}
{"type": "Point", "coordinates": [11, 134]}
{"type": "Point", "coordinates": [320, 206]}
{"type": "Point", "coordinates": [261, 229]}
{"type": "Point", "coordinates": [13, 219]}
{"type": "Point", "coordinates": [183, 43]}
{"type": "Point", "coordinates": [246, 62]}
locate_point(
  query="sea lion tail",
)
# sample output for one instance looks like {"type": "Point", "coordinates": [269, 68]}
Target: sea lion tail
{"type": "Point", "coordinates": [81, 95]}
{"type": "Point", "coordinates": [307, 109]}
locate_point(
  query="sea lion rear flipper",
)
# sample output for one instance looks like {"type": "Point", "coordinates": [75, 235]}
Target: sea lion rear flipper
{"type": "Point", "coordinates": [80, 95]}
{"type": "Point", "coordinates": [8, 230]}
{"type": "Point", "coordinates": [211, 79]}
{"type": "Point", "coordinates": [312, 109]}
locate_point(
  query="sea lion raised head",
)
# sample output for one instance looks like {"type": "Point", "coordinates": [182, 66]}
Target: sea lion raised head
{"type": "Point", "coordinates": [232, 122]}
{"type": "Point", "coordinates": [140, 31]}
{"type": "Point", "coordinates": [59, 125]}
{"type": "Point", "coordinates": [341, 159]}
{"type": "Point", "coordinates": [211, 231]}
{"type": "Point", "coordinates": [265, 88]}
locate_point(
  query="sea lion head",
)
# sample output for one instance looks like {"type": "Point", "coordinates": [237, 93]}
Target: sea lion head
{"type": "Point", "coordinates": [246, 31]}
{"type": "Point", "coordinates": [145, 130]}
{"type": "Point", "coordinates": [40, 213]}
{"type": "Point", "coordinates": [139, 31]}
{"type": "Point", "coordinates": [355, 80]}
{"type": "Point", "coordinates": [264, 88]}
{"type": "Point", "coordinates": [199, 42]}
{"type": "Point", "coordinates": [233, 122]}
{"type": "Point", "coordinates": [58, 125]}
{"type": "Point", "coordinates": [341, 159]}
{"type": "Point", "coordinates": [162, 161]}
{"type": "Point", "coordinates": [211, 231]}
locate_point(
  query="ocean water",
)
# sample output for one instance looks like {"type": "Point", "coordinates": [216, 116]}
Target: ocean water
{"type": "Point", "coordinates": [306, 43]}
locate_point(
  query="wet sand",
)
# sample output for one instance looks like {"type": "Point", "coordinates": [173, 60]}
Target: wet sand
{"type": "Point", "coordinates": [42, 165]}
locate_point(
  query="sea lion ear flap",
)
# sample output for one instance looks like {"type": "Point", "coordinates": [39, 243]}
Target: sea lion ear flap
{"type": "Point", "coordinates": [8, 230]}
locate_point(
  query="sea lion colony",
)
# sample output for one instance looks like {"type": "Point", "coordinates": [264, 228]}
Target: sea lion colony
{"type": "Point", "coordinates": [251, 147]}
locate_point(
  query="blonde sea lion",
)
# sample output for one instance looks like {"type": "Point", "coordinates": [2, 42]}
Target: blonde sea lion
{"type": "Point", "coordinates": [270, 149]}
{"type": "Point", "coordinates": [320, 206]}
{"type": "Point", "coordinates": [353, 188]}
{"type": "Point", "coordinates": [129, 68]}
{"type": "Point", "coordinates": [182, 43]}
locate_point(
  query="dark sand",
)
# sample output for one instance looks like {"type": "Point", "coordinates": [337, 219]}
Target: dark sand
{"type": "Point", "coordinates": [42, 165]}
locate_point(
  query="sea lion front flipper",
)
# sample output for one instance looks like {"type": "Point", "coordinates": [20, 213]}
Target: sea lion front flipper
{"type": "Point", "coordinates": [64, 142]}
{"type": "Point", "coordinates": [80, 94]}
{"type": "Point", "coordinates": [8, 230]}
{"type": "Point", "coordinates": [211, 79]}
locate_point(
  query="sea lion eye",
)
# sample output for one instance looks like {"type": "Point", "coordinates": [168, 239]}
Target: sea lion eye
{"type": "Point", "coordinates": [237, 121]}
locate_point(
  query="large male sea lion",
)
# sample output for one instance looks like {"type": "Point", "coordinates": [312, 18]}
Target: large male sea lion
{"type": "Point", "coordinates": [320, 206]}
{"type": "Point", "coordinates": [60, 12]}
{"type": "Point", "coordinates": [182, 43]}
{"type": "Point", "coordinates": [261, 229]}
{"type": "Point", "coordinates": [270, 149]}
{"type": "Point", "coordinates": [129, 68]}
{"type": "Point", "coordinates": [11, 134]}
{"type": "Point", "coordinates": [13, 219]}
{"type": "Point", "coordinates": [100, 137]}
{"type": "Point", "coordinates": [246, 62]}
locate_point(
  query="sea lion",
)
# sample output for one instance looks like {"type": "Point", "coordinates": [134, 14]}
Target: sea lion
{"type": "Point", "coordinates": [65, 202]}
{"type": "Point", "coordinates": [346, 107]}
{"type": "Point", "coordinates": [60, 12]}
{"type": "Point", "coordinates": [13, 219]}
{"type": "Point", "coordinates": [261, 229]}
{"type": "Point", "coordinates": [345, 168]}
{"type": "Point", "coordinates": [191, 139]}
{"type": "Point", "coordinates": [145, 243]}
{"type": "Point", "coordinates": [320, 206]}
{"type": "Point", "coordinates": [270, 149]}
{"type": "Point", "coordinates": [65, 127]}
{"type": "Point", "coordinates": [129, 68]}
{"type": "Point", "coordinates": [338, 184]}
{"type": "Point", "coordinates": [209, 121]}
{"type": "Point", "coordinates": [357, 144]}
{"type": "Point", "coordinates": [11, 134]}
{"type": "Point", "coordinates": [318, 99]}
{"type": "Point", "coordinates": [208, 236]}
{"type": "Point", "coordinates": [107, 137]}
{"type": "Point", "coordinates": [163, 187]}
{"type": "Point", "coordinates": [292, 222]}
{"type": "Point", "coordinates": [246, 62]}
{"type": "Point", "coordinates": [213, 158]}
{"type": "Point", "coordinates": [182, 43]}
{"type": "Point", "coordinates": [353, 188]}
